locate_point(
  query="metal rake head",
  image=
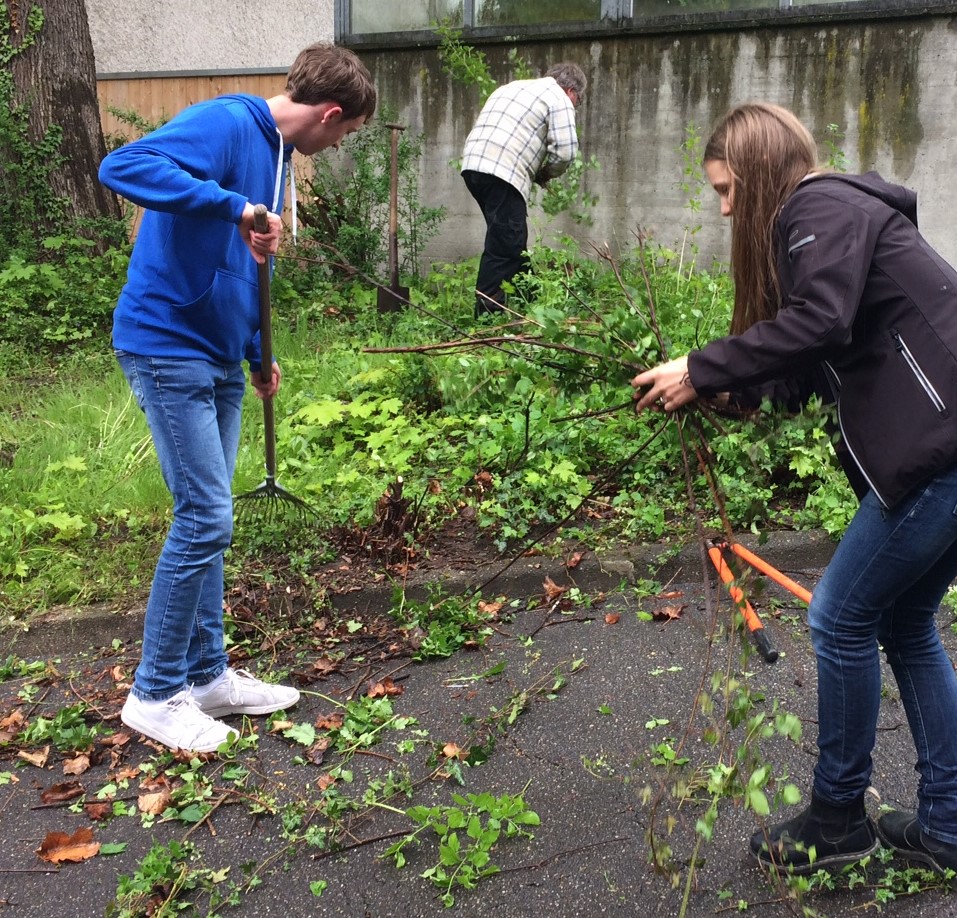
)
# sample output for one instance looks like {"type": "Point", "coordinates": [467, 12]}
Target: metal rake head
{"type": "Point", "coordinates": [271, 503]}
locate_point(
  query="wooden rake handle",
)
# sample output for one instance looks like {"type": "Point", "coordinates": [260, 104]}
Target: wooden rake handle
{"type": "Point", "coordinates": [261, 225]}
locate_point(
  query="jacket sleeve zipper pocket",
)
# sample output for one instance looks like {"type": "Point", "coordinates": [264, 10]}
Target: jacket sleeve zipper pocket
{"type": "Point", "coordinates": [919, 374]}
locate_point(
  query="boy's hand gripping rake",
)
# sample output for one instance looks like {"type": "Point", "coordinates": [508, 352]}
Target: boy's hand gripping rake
{"type": "Point", "coordinates": [270, 500]}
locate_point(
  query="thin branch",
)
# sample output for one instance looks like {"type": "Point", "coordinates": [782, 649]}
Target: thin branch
{"type": "Point", "coordinates": [554, 857]}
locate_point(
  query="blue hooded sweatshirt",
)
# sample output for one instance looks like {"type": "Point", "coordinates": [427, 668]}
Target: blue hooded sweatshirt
{"type": "Point", "coordinates": [191, 290]}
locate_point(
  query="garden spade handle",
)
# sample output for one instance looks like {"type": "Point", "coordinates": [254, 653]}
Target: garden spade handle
{"type": "Point", "coordinates": [261, 225]}
{"type": "Point", "coordinates": [394, 206]}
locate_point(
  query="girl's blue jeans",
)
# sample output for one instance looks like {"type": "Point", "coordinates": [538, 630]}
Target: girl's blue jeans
{"type": "Point", "coordinates": [193, 409]}
{"type": "Point", "coordinates": [883, 588]}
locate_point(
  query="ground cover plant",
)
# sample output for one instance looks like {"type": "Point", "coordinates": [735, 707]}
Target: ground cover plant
{"type": "Point", "coordinates": [514, 428]}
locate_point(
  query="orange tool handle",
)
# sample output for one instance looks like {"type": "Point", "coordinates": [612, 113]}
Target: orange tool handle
{"type": "Point", "coordinates": [772, 572]}
{"type": "Point", "coordinates": [750, 616]}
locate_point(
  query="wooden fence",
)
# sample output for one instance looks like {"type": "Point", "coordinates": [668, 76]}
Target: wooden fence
{"type": "Point", "coordinates": [156, 99]}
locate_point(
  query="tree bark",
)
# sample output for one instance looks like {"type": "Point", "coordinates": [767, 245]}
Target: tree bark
{"type": "Point", "coordinates": [56, 79]}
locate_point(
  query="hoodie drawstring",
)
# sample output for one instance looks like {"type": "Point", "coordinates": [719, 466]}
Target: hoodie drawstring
{"type": "Point", "coordinates": [277, 188]}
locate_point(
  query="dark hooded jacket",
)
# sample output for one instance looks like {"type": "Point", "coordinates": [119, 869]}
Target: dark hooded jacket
{"type": "Point", "coordinates": [868, 320]}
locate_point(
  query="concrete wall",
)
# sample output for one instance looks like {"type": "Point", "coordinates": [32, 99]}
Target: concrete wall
{"type": "Point", "coordinates": [890, 86]}
{"type": "Point", "coordinates": [137, 36]}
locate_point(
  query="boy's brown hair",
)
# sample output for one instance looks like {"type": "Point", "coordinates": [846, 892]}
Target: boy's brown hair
{"type": "Point", "coordinates": [324, 72]}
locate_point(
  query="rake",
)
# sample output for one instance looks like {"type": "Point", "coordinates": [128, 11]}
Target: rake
{"type": "Point", "coordinates": [269, 502]}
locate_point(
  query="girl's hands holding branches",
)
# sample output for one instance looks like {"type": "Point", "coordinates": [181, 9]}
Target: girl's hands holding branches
{"type": "Point", "coordinates": [669, 386]}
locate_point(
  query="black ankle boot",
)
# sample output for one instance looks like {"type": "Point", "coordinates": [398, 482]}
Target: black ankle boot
{"type": "Point", "coordinates": [902, 832]}
{"type": "Point", "coordinates": [823, 835]}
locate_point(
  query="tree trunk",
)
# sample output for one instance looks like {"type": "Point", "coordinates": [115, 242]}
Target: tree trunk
{"type": "Point", "coordinates": [56, 79]}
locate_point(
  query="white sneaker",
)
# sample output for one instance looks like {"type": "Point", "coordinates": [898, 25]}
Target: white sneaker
{"type": "Point", "coordinates": [239, 692]}
{"type": "Point", "coordinates": [178, 722]}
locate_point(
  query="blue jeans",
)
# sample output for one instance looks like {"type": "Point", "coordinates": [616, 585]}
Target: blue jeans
{"type": "Point", "coordinates": [193, 410]}
{"type": "Point", "coordinates": [883, 587]}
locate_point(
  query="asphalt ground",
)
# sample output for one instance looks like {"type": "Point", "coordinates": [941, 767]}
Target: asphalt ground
{"type": "Point", "coordinates": [576, 703]}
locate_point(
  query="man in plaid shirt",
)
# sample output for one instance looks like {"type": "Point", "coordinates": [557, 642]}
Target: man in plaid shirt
{"type": "Point", "coordinates": [525, 133]}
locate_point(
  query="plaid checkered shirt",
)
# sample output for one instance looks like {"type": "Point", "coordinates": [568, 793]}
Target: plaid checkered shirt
{"type": "Point", "coordinates": [524, 133]}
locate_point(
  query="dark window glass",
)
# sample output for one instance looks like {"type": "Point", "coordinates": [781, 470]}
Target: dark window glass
{"type": "Point", "coordinates": [383, 16]}
{"type": "Point", "coordinates": [528, 12]}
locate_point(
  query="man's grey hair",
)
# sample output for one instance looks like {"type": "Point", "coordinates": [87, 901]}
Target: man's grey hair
{"type": "Point", "coordinates": [569, 76]}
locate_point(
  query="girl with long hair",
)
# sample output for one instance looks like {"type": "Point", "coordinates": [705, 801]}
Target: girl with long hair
{"type": "Point", "coordinates": [837, 293]}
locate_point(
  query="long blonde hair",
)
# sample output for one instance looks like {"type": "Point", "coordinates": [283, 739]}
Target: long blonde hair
{"type": "Point", "coordinates": [767, 152]}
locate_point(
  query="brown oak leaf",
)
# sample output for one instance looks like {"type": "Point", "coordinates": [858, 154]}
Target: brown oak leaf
{"type": "Point", "coordinates": [96, 812]}
{"type": "Point", "coordinates": [58, 847]}
{"type": "Point", "coordinates": [59, 793]}
{"type": "Point", "coordinates": [77, 765]}
{"type": "Point", "coordinates": [154, 803]}
{"type": "Point", "coordinates": [552, 590]}
{"type": "Point", "coordinates": [38, 758]}
{"type": "Point", "coordinates": [329, 722]}
{"type": "Point", "coordinates": [115, 739]}
{"type": "Point", "coordinates": [385, 688]}
{"type": "Point", "coordinates": [668, 613]}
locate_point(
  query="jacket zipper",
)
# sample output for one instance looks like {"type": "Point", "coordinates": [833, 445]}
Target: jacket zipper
{"type": "Point", "coordinates": [919, 374]}
{"type": "Point", "coordinates": [836, 386]}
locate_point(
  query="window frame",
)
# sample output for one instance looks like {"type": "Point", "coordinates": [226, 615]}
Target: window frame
{"type": "Point", "coordinates": [618, 18]}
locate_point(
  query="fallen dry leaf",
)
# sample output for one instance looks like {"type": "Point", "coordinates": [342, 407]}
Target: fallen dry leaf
{"type": "Point", "coordinates": [552, 589]}
{"type": "Point", "coordinates": [575, 560]}
{"type": "Point", "coordinates": [76, 766]}
{"type": "Point", "coordinates": [13, 721]}
{"type": "Point", "coordinates": [59, 793]}
{"type": "Point", "coordinates": [280, 726]}
{"type": "Point", "coordinates": [115, 739]}
{"type": "Point", "coordinates": [154, 782]}
{"type": "Point", "coordinates": [490, 608]}
{"type": "Point", "coordinates": [118, 674]}
{"type": "Point", "coordinates": [96, 812]}
{"type": "Point", "coordinates": [10, 726]}
{"type": "Point", "coordinates": [324, 666]}
{"type": "Point", "coordinates": [416, 637]}
{"type": "Point", "coordinates": [454, 751]}
{"type": "Point", "coordinates": [154, 803]}
{"type": "Point", "coordinates": [35, 758]}
{"type": "Point", "coordinates": [668, 613]}
{"type": "Point", "coordinates": [329, 722]}
{"type": "Point", "coordinates": [612, 618]}
{"type": "Point", "coordinates": [385, 688]}
{"type": "Point", "coordinates": [325, 781]}
{"type": "Point", "coordinates": [671, 594]}
{"type": "Point", "coordinates": [126, 773]}
{"type": "Point", "coordinates": [317, 751]}
{"type": "Point", "coordinates": [483, 480]}
{"type": "Point", "coordinates": [58, 847]}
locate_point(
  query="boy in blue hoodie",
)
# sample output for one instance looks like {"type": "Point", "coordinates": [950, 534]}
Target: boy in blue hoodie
{"type": "Point", "coordinates": [186, 319]}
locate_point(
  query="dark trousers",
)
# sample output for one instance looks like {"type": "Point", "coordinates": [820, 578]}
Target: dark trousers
{"type": "Point", "coordinates": [506, 237]}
